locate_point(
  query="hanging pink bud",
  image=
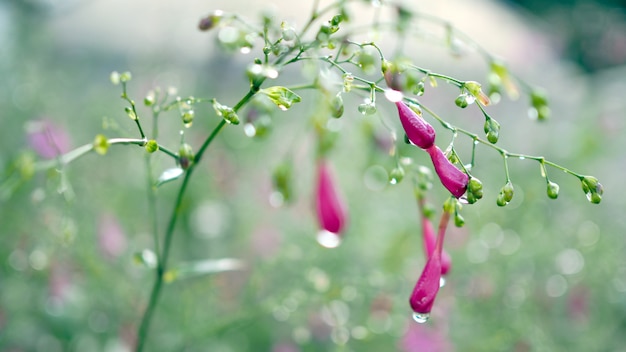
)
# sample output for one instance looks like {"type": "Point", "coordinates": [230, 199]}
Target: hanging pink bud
{"type": "Point", "coordinates": [428, 234]}
{"type": "Point", "coordinates": [426, 288]}
{"type": "Point", "coordinates": [428, 284]}
{"type": "Point", "coordinates": [419, 132]}
{"type": "Point", "coordinates": [331, 212]}
{"type": "Point", "coordinates": [453, 179]}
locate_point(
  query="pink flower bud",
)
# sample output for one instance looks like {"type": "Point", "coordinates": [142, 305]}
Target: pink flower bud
{"type": "Point", "coordinates": [331, 212]}
{"type": "Point", "coordinates": [111, 237]}
{"type": "Point", "coordinates": [420, 132]}
{"type": "Point", "coordinates": [453, 179]}
{"type": "Point", "coordinates": [427, 286]}
{"type": "Point", "coordinates": [428, 234]}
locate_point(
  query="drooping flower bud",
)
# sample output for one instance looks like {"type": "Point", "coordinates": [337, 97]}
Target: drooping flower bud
{"type": "Point", "coordinates": [592, 188]}
{"type": "Point", "coordinates": [553, 190]}
{"type": "Point", "coordinates": [429, 238]}
{"type": "Point", "coordinates": [331, 211]}
{"type": "Point", "coordinates": [419, 132]}
{"type": "Point", "coordinates": [453, 179]}
{"type": "Point", "coordinates": [428, 284]}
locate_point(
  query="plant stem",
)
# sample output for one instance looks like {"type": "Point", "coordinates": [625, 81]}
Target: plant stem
{"type": "Point", "coordinates": [144, 327]}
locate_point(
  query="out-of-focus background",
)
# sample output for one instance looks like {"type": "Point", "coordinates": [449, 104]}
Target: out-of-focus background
{"type": "Point", "coordinates": [537, 275]}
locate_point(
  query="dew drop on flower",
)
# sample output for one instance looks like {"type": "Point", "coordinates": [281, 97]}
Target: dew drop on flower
{"type": "Point", "coordinates": [328, 239]}
{"type": "Point", "coordinates": [442, 281]}
{"type": "Point", "coordinates": [421, 317]}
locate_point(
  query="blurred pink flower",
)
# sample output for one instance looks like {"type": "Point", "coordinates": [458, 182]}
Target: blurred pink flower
{"type": "Point", "coordinates": [331, 211]}
{"type": "Point", "coordinates": [285, 347]}
{"type": "Point", "coordinates": [111, 237]}
{"type": "Point", "coordinates": [428, 233]}
{"type": "Point", "coordinates": [47, 139]}
{"type": "Point", "coordinates": [423, 338]}
{"type": "Point", "coordinates": [419, 132]}
{"type": "Point", "coordinates": [453, 179]}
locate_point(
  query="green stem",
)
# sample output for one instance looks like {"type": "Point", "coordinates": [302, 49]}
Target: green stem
{"type": "Point", "coordinates": [169, 234]}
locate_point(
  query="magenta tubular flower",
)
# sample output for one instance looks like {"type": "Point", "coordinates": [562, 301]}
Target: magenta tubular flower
{"type": "Point", "coordinates": [420, 132]}
{"type": "Point", "coordinates": [453, 179]}
{"type": "Point", "coordinates": [331, 212]}
{"type": "Point", "coordinates": [428, 233]}
{"type": "Point", "coordinates": [428, 284]}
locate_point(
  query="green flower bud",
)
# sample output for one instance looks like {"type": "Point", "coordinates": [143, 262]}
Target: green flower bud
{"type": "Point", "coordinates": [507, 192]}
{"type": "Point", "coordinates": [396, 175]}
{"type": "Point", "coordinates": [471, 198]}
{"type": "Point", "coordinates": [553, 190]}
{"type": "Point", "coordinates": [475, 187]}
{"type": "Point", "coordinates": [125, 77]}
{"type": "Point", "coordinates": [131, 113]}
{"type": "Point", "coordinates": [115, 77]}
{"type": "Point", "coordinates": [348, 80]}
{"type": "Point", "coordinates": [450, 205]}
{"type": "Point", "coordinates": [185, 156]}
{"type": "Point", "coordinates": [459, 221]}
{"type": "Point", "coordinates": [149, 100]}
{"type": "Point", "coordinates": [101, 144]}
{"type": "Point", "coordinates": [472, 87]}
{"type": "Point", "coordinates": [492, 129]}
{"type": "Point", "coordinates": [151, 146]}
{"type": "Point", "coordinates": [336, 106]}
{"type": "Point", "coordinates": [419, 89]}
{"type": "Point", "coordinates": [282, 178]}
{"type": "Point", "coordinates": [367, 108]}
{"type": "Point", "coordinates": [226, 112]}
{"type": "Point", "coordinates": [187, 117]}
{"type": "Point", "coordinates": [461, 101]}
{"type": "Point", "coordinates": [500, 200]}
{"type": "Point", "coordinates": [592, 188]}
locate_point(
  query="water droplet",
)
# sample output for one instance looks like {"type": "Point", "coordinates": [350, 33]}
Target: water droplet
{"type": "Point", "coordinates": [282, 107]}
{"type": "Point", "coordinates": [421, 317]}
{"type": "Point", "coordinates": [328, 239]}
{"type": "Point", "coordinates": [522, 157]}
{"type": "Point", "coordinates": [188, 124]}
{"type": "Point", "coordinates": [476, 142]}
{"type": "Point", "coordinates": [442, 281]}
{"type": "Point", "coordinates": [393, 180]}
{"type": "Point", "coordinates": [249, 130]}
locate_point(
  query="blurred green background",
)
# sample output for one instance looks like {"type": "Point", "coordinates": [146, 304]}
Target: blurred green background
{"type": "Point", "coordinates": [538, 275]}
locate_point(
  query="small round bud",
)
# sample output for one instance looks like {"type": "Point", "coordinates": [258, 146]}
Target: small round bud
{"type": "Point", "coordinates": [471, 198]}
{"type": "Point", "coordinates": [151, 146]}
{"type": "Point", "coordinates": [149, 100]}
{"type": "Point", "coordinates": [472, 87]}
{"type": "Point", "coordinates": [125, 77]}
{"type": "Point", "coordinates": [475, 187]}
{"type": "Point", "coordinates": [459, 221]}
{"type": "Point", "coordinates": [419, 89]}
{"type": "Point", "coordinates": [500, 200]}
{"type": "Point", "coordinates": [187, 117]}
{"type": "Point", "coordinates": [507, 191]}
{"type": "Point", "coordinates": [185, 156]}
{"type": "Point", "coordinates": [115, 77]}
{"type": "Point", "coordinates": [336, 106]}
{"type": "Point", "coordinates": [492, 129]}
{"type": "Point", "coordinates": [461, 101]}
{"type": "Point", "coordinates": [367, 108]}
{"type": "Point", "coordinates": [210, 21]}
{"type": "Point", "coordinates": [592, 188]}
{"type": "Point", "coordinates": [131, 113]}
{"type": "Point", "coordinates": [553, 190]}
{"type": "Point", "coordinates": [101, 144]}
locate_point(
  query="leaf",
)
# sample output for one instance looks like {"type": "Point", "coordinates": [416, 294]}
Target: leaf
{"type": "Point", "coordinates": [169, 175]}
{"type": "Point", "coordinates": [283, 97]}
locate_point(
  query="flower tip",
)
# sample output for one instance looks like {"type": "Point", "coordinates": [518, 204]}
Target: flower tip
{"type": "Point", "coordinates": [419, 132]}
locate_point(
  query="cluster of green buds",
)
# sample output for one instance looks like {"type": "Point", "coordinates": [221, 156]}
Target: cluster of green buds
{"type": "Point", "coordinates": [474, 190]}
{"type": "Point", "coordinates": [505, 195]}
{"type": "Point", "coordinates": [592, 188]}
